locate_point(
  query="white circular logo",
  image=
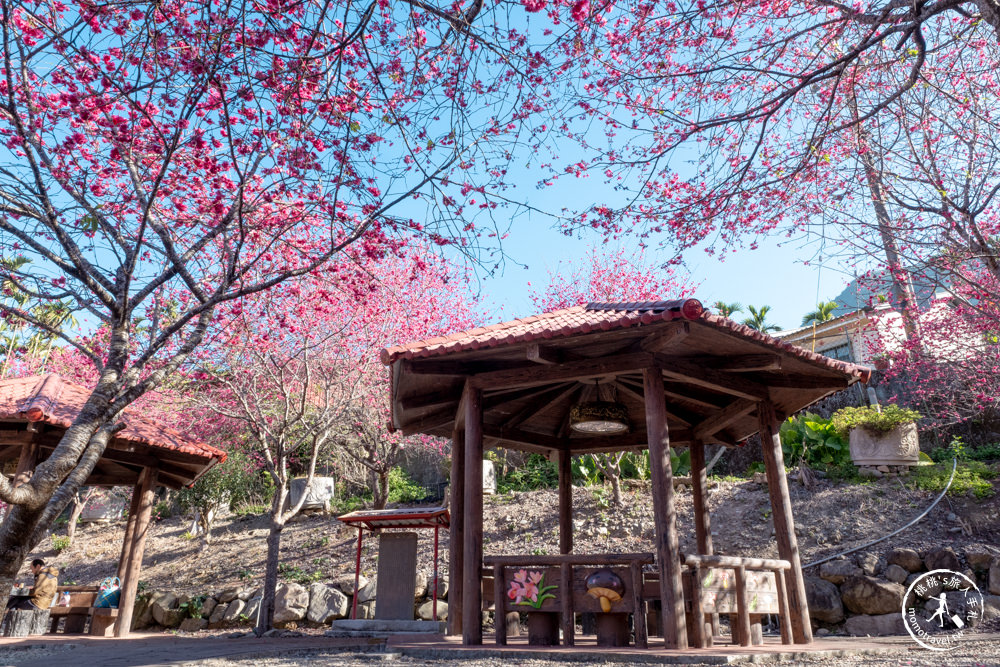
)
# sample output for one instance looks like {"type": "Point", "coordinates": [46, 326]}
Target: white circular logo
{"type": "Point", "coordinates": [939, 606]}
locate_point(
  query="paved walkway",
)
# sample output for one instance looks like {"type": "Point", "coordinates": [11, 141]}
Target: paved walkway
{"type": "Point", "coordinates": [149, 649]}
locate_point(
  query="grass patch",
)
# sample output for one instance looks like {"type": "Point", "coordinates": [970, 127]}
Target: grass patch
{"type": "Point", "coordinates": [971, 477]}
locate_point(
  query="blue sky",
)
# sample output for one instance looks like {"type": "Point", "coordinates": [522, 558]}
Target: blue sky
{"type": "Point", "coordinates": [774, 274]}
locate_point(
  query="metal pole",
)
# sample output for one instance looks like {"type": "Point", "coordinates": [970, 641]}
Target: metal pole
{"type": "Point", "coordinates": [357, 575]}
{"type": "Point", "coordinates": [434, 606]}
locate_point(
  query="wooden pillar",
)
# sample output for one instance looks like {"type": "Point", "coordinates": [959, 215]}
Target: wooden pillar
{"type": "Point", "coordinates": [456, 532]}
{"type": "Point", "coordinates": [565, 502]}
{"type": "Point", "coordinates": [784, 524]}
{"type": "Point", "coordinates": [699, 494]}
{"type": "Point", "coordinates": [472, 564]}
{"type": "Point", "coordinates": [146, 489]}
{"type": "Point", "coordinates": [133, 512]}
{"type": "Point", "coordinates": [665, 517]}
{"type": "Point", "coordinates": [27, 461]}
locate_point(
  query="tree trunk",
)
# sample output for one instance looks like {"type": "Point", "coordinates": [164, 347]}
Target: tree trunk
{"type": "Point", "coordinates": [266, 619]}
{"type": "Point", "coordinates": [78, 504]}
{"type": "Point", "coordinates": [381, 490]}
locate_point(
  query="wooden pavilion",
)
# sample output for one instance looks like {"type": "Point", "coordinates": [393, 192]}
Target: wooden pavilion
{"type": "Point", "coordinates": [686, 378]}
{"type": "Point", "coordinates": [35, 412]}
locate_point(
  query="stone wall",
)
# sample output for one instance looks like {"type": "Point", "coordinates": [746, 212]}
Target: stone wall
{"type": "Point", "coordinates": [862, 594]}
{"type": "Point", "coordinates": [296, 605]}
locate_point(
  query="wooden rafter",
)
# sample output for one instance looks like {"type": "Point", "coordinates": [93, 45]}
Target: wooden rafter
{"type": "Point", "coordinates": [736, 410]}
{"type": "Point", "coordinates": [727, 383]}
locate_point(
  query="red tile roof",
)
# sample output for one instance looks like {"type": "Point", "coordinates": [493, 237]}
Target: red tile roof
{"type": "Point", "coordinates": [56, 401]}
{"type": "Point", "coordinates": [603, 317]}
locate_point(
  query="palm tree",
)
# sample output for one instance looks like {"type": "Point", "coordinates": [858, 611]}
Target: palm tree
{"type": "Point", "coordinates": [728, 309]}
{"type": "Point", "coordinates": [823, 313]}
{"type": "Point", "coordinates": [758, 319]}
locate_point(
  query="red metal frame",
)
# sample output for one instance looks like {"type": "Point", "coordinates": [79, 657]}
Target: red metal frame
{"type": "Point", "coordinates": [435, 517]}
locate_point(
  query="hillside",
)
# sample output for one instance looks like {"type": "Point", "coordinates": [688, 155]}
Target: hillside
{"type": "Point", "coordinates": [831, 517]}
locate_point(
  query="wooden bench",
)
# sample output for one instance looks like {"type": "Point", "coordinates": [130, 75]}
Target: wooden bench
{"type": "Point", "coordinates": [745, 588]}
{"type": "Point", "coordinates": [79, 610]}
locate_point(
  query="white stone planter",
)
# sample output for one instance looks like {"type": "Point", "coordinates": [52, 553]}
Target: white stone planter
{"type": "Point", "coordinates": [898, 447]}
{"type": "Point", "coordinates": [489, 478]}
{"type": "Point", "coordinates": [103, 508]}
{"type": "Point", "coordinates": [319, 495]}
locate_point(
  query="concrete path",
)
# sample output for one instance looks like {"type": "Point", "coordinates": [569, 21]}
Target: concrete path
{"type": "Point", "coordinates": [148, 650]}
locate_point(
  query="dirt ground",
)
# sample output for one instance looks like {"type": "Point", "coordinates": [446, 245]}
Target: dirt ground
{"type": "Point", "coordinates": [830, 518]}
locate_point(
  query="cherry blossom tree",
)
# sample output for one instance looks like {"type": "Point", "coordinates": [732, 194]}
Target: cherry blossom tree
{"type": "Point", "coordinates": [162, 160]}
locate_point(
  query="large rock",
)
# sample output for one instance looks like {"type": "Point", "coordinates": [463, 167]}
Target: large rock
{"type": "Point", "coordinates": [208, 606]}
{"type": "Point", "coordinates": [366, 610]}
{"type": "Point", "coordinates": [442, 586]}
{"type": "Point", "coordinates": [896, 573]}
{"type": "Point", "coordinates": [346, 583]}
{"type": "Point", "coordinates": [995, 577]}
{"type": "Point", "coordinates": [991, 607]}
{"type": "Point", "coordinates": [367, 592]}
{"type": "Point", "coordinates": [326, 603]}
{"type": "Point", "coordinates": [425, 612]}
{"type": "Point", "coordinates": [906, 558]}
{"type": "Point", "coordinates": [875, 626]}
{"type": "Point", "coordinates": [824, 601]}
{"type": "Point", "coordinates": [290, 603]}
{"type": "Point", "coordinates": [864, 595]}
{"type": "Point", "coordinates": [229, 595]}
{"type": "Point", "coordinates": [193, 624]}
{"type": "Point", "coordinates": [252, 610]}
{"type": "Point", "coordinates": [978, 558]}
{"type": "Point", "coordinates": [142, 613]}
{"type": "Point", "coordinates": [233, 611]}
{"type": "Point", "coordinates": [420, 586]}
{"type": "Point", "coordinates": [869, 563]}
{"type": "Point", "coordinates": [942, 558]}
{"type": "Point", "coordinates": [218, 614]}
{"type": "Point", "coordinates": [172, 618]}
{"type": "Point", "coordinates": [836, 571]}
{"type": "Point", "coordinates": [161, 603]}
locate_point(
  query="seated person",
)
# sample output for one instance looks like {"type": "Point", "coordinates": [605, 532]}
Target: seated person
{"type": "Point", "coordinates": [44, 590]}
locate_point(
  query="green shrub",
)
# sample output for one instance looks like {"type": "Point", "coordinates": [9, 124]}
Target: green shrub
{"type": "Point", "coordinates": [873, 421]}
{"type": "Point", "coordinates": [348, 504]}
{"type": "Point", "coordinates": [989, 452]}
{"type": "Point", "coordinates": [955, 450]}
{"type": "Point", "coordinates": [814, 440]}
{"type": "Point", "coordinates": [295, 573]}
{"type": "Point", "coordinates": [971, 477]}
{"type": "Point", "coordinates": [680, 463]}
{"type": "Point", "coordinates": [536, 473]}
{"type": "Point", "coordinates": [402, 489]}
{"type": "Point", "coordinates": [60, 543]}
{"type": "Point", "coordinates": [193, 607]}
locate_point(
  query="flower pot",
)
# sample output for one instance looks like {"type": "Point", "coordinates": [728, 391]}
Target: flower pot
{"type": "Point", "coordinates": [898, 447]}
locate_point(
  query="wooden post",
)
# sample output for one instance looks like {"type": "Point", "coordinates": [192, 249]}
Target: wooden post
{"type": "Point", "coordinates": [472, 565]}
{"type": "Point", "coordinates": [786, 631]}
{"type": "Point", "coordinates": [565, 502]}
{"type": "Point", "coordinates": [699, 495]}
{"type": "Point", "coordinates": [133, 512]}
{"type": "Point", "coordinates": [499, 616]}
{"type": "Point", "coordinates": [566, 607]}
{"type": "Point", "coordinates": [27, 461]}
{"type": "Point", "coordinates": [456, 532]}
{"type": "Point", "coordinates": [664, 515]}
{"type": "Point", "coordinates": [741, 631]}
{"type": "Point", "coordinates": [130, 582]}
{"type": "Point", "coordinates": [784, 524]}
{"type": "Point", "coordinates": [638, 604]}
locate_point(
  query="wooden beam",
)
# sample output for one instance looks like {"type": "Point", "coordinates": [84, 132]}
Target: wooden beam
{"type": "Point", "coordinates": [784, 523]}
{"type": "Point", "coordinates": [9, 436]}
{"type": "Point", "coordinates": [146, 461]}
{"type": "Point", "coordinates": [665, 337]}
{"type": "Point", "coordinates": [745, 363]}
{"type": "Point", "coordinates": [28, 460]}
{"type": "Point", "coordinates": [457, 368]}
{"type": "Point", "coordinates": [800, 381]}
{"type": "Point", "coordinates": [572, 370]}
{"type": "Point", "coordinates": [546, 400]}
{"type": "Point", "coordinates": [133, 513]}
{"type": "Point", "coordinates": [664, 515]}
{"type": "Point", "coordinates": [430, 399]}
{"type": "Point", "coordinates": [727, 383]}
{"type": "Point", "coordinates": [456, 536]}
{"type": "Point", "coordinates": [130, 582]}
{"type": "Point", "coordinates": [543, 354]}
{"type": "Point", "coordinates": [472, 565]}
{"type": "Point", "coordinates": [735, 411]}
{"type": "Point", "coordinates": [444, 416]}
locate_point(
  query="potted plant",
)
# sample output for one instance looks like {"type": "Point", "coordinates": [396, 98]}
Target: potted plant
{"type": "Point", "coordinates": [880, 435]}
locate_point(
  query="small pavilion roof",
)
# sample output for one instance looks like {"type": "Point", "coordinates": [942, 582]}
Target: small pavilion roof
{"type": "Point", "coordinates": [532, 370]}
{"type": "Point", "coordinates": [409, 517]}
{"type": "Point", "coordinates": [50, 403]}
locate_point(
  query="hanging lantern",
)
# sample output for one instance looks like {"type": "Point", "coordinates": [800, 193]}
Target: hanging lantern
{"type": "Point", "coordinates": [599, 417]}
